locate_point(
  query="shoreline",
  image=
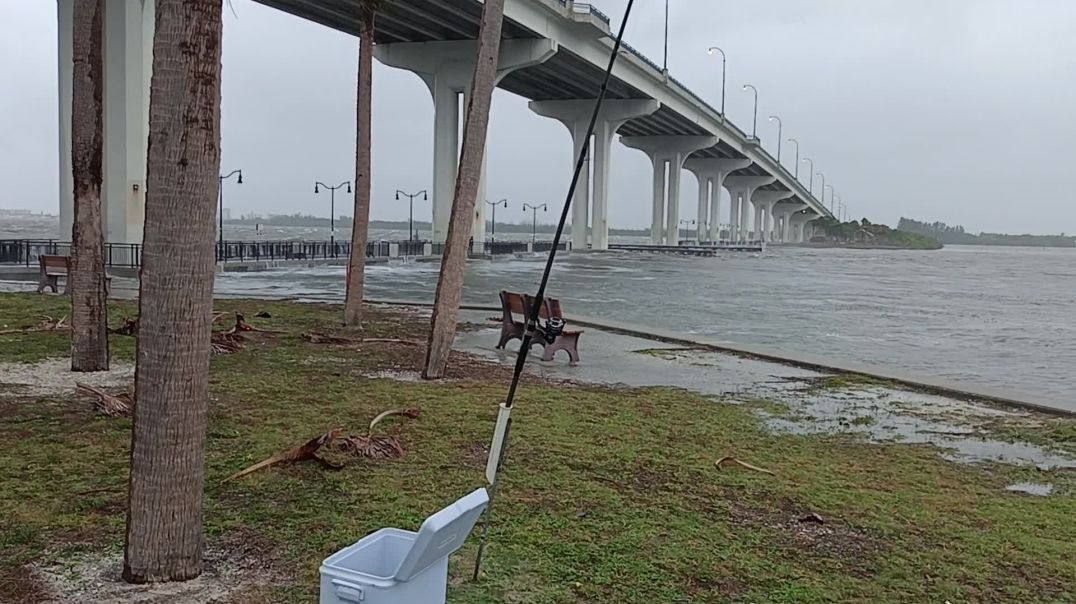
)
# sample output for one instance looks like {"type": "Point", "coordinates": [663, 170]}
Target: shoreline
{"type": "Point", "coordinates": [1030, 401]}
{"type": "Point", "coordinates": [1019, 399]}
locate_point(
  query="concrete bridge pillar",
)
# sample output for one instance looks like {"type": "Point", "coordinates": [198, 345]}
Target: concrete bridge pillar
{"type": "Point", "coordinates": [741, 189]}
{"type": "Point", "coordinates": [447, 68]}
{"type": "Point", "coordinates": [711, 174]}
{"type": "Point", "coordinates": [127, 62]}
{"type": "Point", "coordinates": [576, 115]}
{"type": "Point", "coordinates": [807, 231]}
{"type": "Point", "coordinates": [782, 211]}
{"type": "Point", "coordinates": [764, 202]}
{"type": "Point", "coordinates": [668, 154]}
{"type": "Point", "coordinates": [799, 222]}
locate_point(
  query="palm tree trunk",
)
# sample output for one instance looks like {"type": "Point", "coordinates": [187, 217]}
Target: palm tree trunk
{"type": "Point", "coordinates": [360, 225]}
{"type": "Point", "coordinates": [89, 316]}
{"type": "Point", "coordinates": [164, 518]}
{"type": "Point", "coordinates": [446, 305]}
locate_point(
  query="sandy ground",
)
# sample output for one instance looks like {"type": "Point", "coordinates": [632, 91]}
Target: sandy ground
{"type": "Point", "coordinates": [55, 378]}
{"type": "Point", "coordinates": [231, 573]}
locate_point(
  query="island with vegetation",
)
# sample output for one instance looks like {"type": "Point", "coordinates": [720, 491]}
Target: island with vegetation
{"type": "Point", "coordinates": [865, 234]}
{"type": "Point", "coordinates": [956, 235]}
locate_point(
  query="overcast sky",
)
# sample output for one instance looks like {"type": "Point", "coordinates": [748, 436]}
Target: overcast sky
{"type": "Point", "coordinates": [952, 110]}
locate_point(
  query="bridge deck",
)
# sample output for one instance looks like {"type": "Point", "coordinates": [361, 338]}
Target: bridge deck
{"type": "Point", "coordinates": [575, 72]}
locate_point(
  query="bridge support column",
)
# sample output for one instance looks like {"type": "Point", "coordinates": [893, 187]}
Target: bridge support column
{"type": "Point", "coordinates": [799, 224]}
{"type": "Point", "coordinates": [127, 64]}
{"type": "Point", "coordinates": [782, 212]}
{"type": "Point", "coordinates": [668, 154]}
{"type": "Point", "coordinates": [447, 68]}
{"type": "Point", "coordinates": [741, 189]}
{"type": "Point", "coordinates": [575, 115]}
{"type": "Point", "coordinates": [807, 231]}
{"type": "Point", "coordinates": [711, 174]}
{"type": "Point", "coordinates": [764, 202]}
{"type": "Point", "coordinates": [65, 21]}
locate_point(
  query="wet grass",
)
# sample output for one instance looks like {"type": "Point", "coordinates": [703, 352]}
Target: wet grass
{"type": "Point", "coordinates": [850, 381]}
{"type": "Point", "coordinates": [609, 495]}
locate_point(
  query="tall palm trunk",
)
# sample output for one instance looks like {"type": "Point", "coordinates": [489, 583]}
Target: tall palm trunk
{"type": "Point", "coordinates": [164, 517]}
{"type": "Point", "coordinates": [360, 225]}
{"type": "Point", "coordinates": [446, 306]}
{"type": "Point", "coordinates": [89, 317]}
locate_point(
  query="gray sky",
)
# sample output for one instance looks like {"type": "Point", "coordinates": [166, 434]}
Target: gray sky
{"type": "Point", "coordinates": [952, 110]}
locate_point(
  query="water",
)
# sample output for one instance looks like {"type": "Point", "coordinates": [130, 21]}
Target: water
{"type": "Point", "coordinates": [997, 316]}
{"type": "Point", "coordinates": [988, 315]}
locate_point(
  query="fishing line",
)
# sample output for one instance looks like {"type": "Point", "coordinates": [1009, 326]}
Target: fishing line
{"type": "Point", "coordinates": [500, 437]}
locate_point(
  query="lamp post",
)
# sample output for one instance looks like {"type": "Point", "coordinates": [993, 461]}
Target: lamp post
{"type": "Point", "coordinates": [665, 63]}
{"type": "Point", "coordinates": [754, 121]}
{"type": "Point", "coordinates": [780, 128]}
{"type": "Point", "coordinates": [493, 218]}
{"type": "Point", "coordinates": [220, 211]}
{"type": "Point", "coordinates": [332, 209]}
{"type": "Point", "coordinates": [534, 219]}
{"type": "Point", "coordinates": [411, 212]}
{"type": "Point", "coordinates": [688, 224]}
{"type": "Point", "coordinates": [792, 140]}
{"type": "Point", "coordinates": [711, 51]}
{"type": "Point", "coordinates": [823, 176]}
{"type": "Point", "coordinates": [810, 187]}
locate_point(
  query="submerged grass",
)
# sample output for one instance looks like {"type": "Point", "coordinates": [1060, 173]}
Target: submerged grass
{"type": "Point", "coordinates": [608, 495]}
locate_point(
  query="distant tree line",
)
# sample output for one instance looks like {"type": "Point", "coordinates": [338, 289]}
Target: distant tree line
{"type": "Point", "coordinates": [958, 236]}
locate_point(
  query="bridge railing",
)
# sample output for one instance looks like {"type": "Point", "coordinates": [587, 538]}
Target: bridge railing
{"type": "Point", "coordinates": [585, 8]}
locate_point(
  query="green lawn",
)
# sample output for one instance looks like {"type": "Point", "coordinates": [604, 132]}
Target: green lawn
{"type": "Point", "coordinates": [609, 495]}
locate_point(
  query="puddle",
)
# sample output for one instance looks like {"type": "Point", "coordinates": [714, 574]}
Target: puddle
{"type": "Point", "coordinates": [1031, 488]}
{"type": "Point", "coordinates": [891, 415]}
{"type": "Point", "coordinates": [614, 359]}
{"type": "Point", "coordinates": [961, 429]}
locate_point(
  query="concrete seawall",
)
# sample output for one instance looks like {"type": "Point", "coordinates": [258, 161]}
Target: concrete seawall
{"type": "Point", "coordinates": [1034, 402]}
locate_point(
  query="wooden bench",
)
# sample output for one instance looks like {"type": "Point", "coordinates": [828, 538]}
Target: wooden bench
{"type": "Point", "coordinates": [53, 267]}
{"type": "Point", "coordinates": [511, 329]}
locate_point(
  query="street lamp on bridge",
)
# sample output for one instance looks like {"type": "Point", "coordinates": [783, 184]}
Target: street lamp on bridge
{"type": "Point", "coordinates": [493, 218]}
{"type": "Point", "coordinates": [824, 187]}
{"type": "Point", "coordinates": [220, 211]}
{"type": "Point", "coordinates": [534, 218]}
{"type": "Point", "coordinates": [332, 208]}
{"type": "Point", "coordinates": [792, 140]}
{"type": "Point", "coordinates": [411, 211]}
{"type": "Point", "coordinates": [711, 51]}
{"type": "Point", "coordinates": [754, 121]}
{"type": "Point", "coordinates": [780, 129]}
{"type": "Point", "coordinates": [665, 63]}
{"type": "Point", "coordinates": [810, 162]}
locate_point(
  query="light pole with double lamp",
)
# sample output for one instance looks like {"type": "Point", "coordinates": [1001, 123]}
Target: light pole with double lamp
{"type": "Point", "coordinates": [534, 219]}
{"type": "Point", "coordinates": [332, 209]}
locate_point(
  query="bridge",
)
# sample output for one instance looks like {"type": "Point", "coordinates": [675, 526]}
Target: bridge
{"type": "Point", "coordinates": [553, 53]}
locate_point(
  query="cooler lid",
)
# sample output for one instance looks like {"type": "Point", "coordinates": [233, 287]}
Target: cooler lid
{"type": "Point", "coordinates": [442, 534]}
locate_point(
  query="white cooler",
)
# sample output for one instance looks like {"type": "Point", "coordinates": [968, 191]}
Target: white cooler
{"type": "Point", "coordinates": [393, 566]}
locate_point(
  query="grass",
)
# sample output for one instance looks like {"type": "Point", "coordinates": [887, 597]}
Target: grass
{"type": "Point", "coordinates": [608, 495]}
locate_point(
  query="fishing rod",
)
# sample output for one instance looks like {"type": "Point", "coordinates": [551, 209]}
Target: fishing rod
{"type": "Point", "coordinates": [504, 415]}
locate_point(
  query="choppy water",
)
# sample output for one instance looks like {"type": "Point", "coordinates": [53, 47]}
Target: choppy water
{"type": "Point", "coordinates": [991, 315]}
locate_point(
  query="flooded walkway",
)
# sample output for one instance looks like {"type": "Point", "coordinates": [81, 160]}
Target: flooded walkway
{"type": "Point", "coordinates": [796, 400]}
